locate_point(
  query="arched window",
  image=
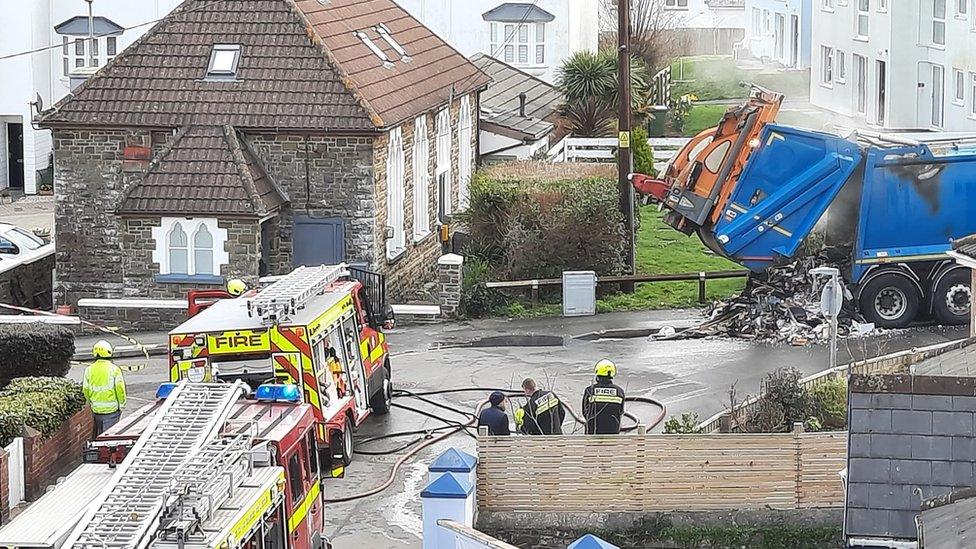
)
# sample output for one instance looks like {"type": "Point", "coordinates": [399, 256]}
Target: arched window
{"type": "Point", "coordinates": [203, 251]}
{"type": "Point", "coordinates": [178, 251]}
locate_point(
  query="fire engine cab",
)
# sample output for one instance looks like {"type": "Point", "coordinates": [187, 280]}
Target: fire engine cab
{"type": "Point", "coordinates": [207, 466]}
{"type": "Point", "coordinates": [314, 328]}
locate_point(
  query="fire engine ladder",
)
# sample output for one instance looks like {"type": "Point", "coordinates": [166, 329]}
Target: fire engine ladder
{"type": "Point", "coordinates": [205, 483]}
{"type": "Point", "coordinates": [293, 291]}
{"type": "Point", "coordinates": [129, 508]}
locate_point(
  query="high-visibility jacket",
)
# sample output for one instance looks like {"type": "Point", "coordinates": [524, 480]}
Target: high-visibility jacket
{"type": "Point", "coordinates": [603, 406]}
{"type": "Point", "coordinates": [544, 414]}
{"type": "Point", "coordinates": [104, 387]}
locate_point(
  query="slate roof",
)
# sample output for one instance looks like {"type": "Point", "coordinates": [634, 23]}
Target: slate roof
{"type": "Point", "coordinates": [500, 102]}
{"type": "Point", "coordinates": [301, 68]}
{"type": "Point", "coordinates": [947, 522]}
{"type": "Point", "coordinates": [515, 12]}
{"type": "Point", "coordinates": [911, 437]}
{"type": "Point", "coordinates": [206, 171]}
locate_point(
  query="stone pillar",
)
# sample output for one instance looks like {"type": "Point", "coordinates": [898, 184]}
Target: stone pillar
{"type": "Point", "coordinates": [449, 267]}
{"type": "Point", "coordinates": [448, 497]}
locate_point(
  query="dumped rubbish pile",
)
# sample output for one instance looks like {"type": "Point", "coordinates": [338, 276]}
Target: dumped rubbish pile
{"type": "Point", "coordinates": [781, 305]}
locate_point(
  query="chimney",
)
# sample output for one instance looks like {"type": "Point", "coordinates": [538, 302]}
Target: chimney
{"type": "Point", "coordinates": [522, 105]}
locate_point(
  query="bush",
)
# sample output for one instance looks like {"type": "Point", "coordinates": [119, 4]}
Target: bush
{"type": "Point", "coordinates": [476, 299]}
{"type": "Point", "coordinates": [34, 350]}
{"type": "Point", "coordinates": [43, 403]}
{"type": "Point", "coordinates": [643, 152]}
{"type": "Point", "coordinates": [784, 402]}
{"type": "Point", "coordinates": [528, 226]}
{"type": "Point", "coordinates": [830, 402]}
{"type": "Point", "coordinates": [686, 424]}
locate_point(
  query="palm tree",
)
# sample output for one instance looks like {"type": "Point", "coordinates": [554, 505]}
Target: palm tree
{"type": "Point", "coordinates": [588, 81]}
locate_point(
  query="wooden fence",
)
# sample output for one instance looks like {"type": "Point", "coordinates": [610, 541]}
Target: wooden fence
{"type": "Point", "coordinates": [634, 473]}
{"type": "Point", "coordinates": [892, 363]}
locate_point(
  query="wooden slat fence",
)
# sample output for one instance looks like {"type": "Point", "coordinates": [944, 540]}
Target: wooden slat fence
{"type": "Point", "coordinates": [660, 472]}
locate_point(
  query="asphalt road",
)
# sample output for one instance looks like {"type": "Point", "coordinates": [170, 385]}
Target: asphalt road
{"type": "Point", "coordinates": [685, 375]}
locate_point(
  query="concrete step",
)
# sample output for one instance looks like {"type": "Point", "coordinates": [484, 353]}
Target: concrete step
{"type": "Point", "coordinates": [416, 313]}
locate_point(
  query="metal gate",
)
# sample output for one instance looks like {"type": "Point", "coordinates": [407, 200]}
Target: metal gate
{"type": "Point", "coordinates": [374, 285]}
{"type": "Point", "coordinates": [319, 241]}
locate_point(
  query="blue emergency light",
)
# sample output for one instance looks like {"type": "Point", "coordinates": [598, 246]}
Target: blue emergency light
{"type": "Point", "coordinates": [164, 390]}
{"type": "Point", "coordinates": [278, 393]}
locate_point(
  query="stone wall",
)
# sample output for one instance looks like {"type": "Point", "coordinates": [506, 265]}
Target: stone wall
{"type": "Point", "coordinates": [47, 458]}
{"type": "Point", "coordinates": [322, 177]}
{"type": "Point", "coordinates": [28, 285]}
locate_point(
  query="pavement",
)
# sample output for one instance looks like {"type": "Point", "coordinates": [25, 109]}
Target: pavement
{"type": "Point", "coordinates": [33, 212]}
{"type": "Point", "coordinates": [690, 375]}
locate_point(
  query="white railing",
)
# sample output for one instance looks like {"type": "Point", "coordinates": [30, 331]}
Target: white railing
{"type": "Point", "coordinates": [469, 538]}
{"type": "Point", "coordinates": [603, 149]}
{"type": "Point", "coordinates": [16, 491]}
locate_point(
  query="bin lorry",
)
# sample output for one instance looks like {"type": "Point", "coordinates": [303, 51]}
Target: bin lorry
{"type": "Point", "coordinates": [887, 205]}
{"type": "Point", "coordinates": [207, 466]}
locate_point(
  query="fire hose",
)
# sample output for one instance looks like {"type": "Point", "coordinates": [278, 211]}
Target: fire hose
{"type": "Point", "coordinates": [453, 427]}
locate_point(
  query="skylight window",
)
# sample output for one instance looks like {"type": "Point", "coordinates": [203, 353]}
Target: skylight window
{"type": "Point", "coordinates": [374, 48]}
{"type": "Point", "coordinates": [387, 37]}
{"type": "Point", "coordinates": [224, 60]}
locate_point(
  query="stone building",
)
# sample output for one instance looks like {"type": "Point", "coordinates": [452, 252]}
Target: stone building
{"type": "Point", "coordinates": [245, 137]}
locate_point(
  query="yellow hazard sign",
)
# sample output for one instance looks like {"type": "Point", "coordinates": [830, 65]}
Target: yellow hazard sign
{"type": "Point", "coordinates": [241, 341]}
{"type": "Point", "coordinates": [624, 140]}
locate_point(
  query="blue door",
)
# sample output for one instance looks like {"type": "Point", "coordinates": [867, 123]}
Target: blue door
{"type": "Point", "coordinates": [319, 241]}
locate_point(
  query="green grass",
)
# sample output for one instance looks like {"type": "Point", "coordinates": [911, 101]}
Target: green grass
{"type": "Point", "coordinates": [702, 117]}
{"type": "Point", "coordinates": [713, 77]}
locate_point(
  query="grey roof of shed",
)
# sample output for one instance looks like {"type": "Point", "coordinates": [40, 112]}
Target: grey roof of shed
{"type": "Point", "coordinates": [78, 26]}
{"type": "Point", "coordinates": [947, 521]}
{"type": "Point", "coordinates": [516, 12]}
{"type": "Point", "coordinates": [500, 102]}
{"type": "Point", "coordinates": [910, 437]}
{"type": "Point", "coordinates": [206, 170]}
{"type": "Point", "coordinates": [965, 246]}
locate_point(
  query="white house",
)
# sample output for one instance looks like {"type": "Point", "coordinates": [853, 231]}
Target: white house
{"type": "Point", "coordinates": [896, 64]}
{"type": "Point", "coordinates": [57, 32]}
{"type": "Point", "coordinates": [534, 36]}
{"type": "Point", "coordinates": [779, 31]}
{"type": "Point", "coordinates": [705, 26]}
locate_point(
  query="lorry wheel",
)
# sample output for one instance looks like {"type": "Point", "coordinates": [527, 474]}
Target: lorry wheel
{"type": "Point", "coordinates": [348, 442]}
{"type": "Point", "coordinates": [952, 297]}
{"type": "Point", "coordinates": [382, 400]}
{"type": "Point", "coordinates": [890, 301]}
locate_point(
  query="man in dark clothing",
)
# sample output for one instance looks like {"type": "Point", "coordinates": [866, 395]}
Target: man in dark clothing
{"type": "Point", "coordinates": [543, 413]}
{"type": "Point", "coordinates": [493, 417]}
{"type": "Point", "coordinates": [603, 402]}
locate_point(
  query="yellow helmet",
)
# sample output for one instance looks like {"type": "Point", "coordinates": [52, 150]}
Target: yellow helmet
{"type": "Point", "coordinates": [236, 287]}
{"type": "Point", "coordinates": [606, 368]}
{"type": "Point", "coordinates": [102, 349]}
{"type": "Point", "coordinates": [519, 417]}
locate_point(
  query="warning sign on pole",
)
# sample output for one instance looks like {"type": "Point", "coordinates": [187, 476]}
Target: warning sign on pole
{"type": "Point", "coordinates": [624, 140]}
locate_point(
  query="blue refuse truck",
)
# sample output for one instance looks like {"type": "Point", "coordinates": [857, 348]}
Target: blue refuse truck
{"type": "Point", "coordinates": [887, 206]}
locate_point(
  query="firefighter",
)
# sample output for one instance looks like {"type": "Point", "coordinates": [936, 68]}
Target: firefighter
{"type": "Point", "coordinates": [236, 287]}
{"type": "Point", "coordinates": [603, 402]}
{"type": "Point", "coordinates": [543, 413]}
{"type": "Point", "coordinates": [104, 387]}
{"type": "Point", "coordinates": [493, 417]}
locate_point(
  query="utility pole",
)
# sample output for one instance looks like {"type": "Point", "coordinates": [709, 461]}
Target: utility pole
{"type": "Point", "coordinates": [624, 164]}
{"type": "Point", "coordinates": [91, 35]}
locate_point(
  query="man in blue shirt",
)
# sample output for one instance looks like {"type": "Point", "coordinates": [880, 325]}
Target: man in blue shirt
{"type": "Point", "coordinates": [493, 417]}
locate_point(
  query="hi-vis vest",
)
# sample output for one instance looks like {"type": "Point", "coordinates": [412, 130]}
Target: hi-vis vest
{"type": "Point", "coordinates": [104, 387]}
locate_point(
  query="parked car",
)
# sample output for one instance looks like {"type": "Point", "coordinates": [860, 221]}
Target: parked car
{"type": "Point", "coordinates": [15, 241]}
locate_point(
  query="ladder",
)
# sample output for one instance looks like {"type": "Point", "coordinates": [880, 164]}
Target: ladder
{"type": "Point", "coordinates": [130, 506]}
{"type": "Point", "coordinates": [293, 291]}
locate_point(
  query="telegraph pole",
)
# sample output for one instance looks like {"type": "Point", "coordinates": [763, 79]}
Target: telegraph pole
{"type": "Point", "coordinates": [624, 164]}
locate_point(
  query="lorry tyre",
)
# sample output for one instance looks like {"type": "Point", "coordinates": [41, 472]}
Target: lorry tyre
{"type": "Point", "coordinates": [348, 442]}
{"type": "Point", "coordinates": [382, 400]}
{"type": "Point", "coordinates": [952, 297]}
{"type": "Point", "coordinates": [890, 301]}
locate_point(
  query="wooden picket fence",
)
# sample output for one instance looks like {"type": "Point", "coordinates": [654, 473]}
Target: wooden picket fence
{"type": "Point", "coordinates": [649, 473]}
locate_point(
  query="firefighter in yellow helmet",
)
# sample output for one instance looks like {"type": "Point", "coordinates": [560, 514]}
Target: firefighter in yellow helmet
{"type": "Point", "coordinates": [104, 388]}
{"type": "Point", "coordinates": [236, 287]}
{"type": "Point", "coordinates": [603, 402]}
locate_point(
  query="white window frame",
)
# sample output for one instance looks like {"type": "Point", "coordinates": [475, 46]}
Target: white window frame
{"type": "Point", "coordinates": [190, 226]}
{"type": "Point", "coordinates": [962, 8]}
{"type": "Point", "coordinates": [421, 179]}
{"type": "Point", "coordinates": [862, 19]}
{"type": "Point", "coordinates": [958, 87]}
{"type": "Point", "coordinates": [767, 22]}
{"type": "Point", "coordinates": [94, 52]}
{"type": "Point", "coordinates": [465, 152]}
{"type": "Point", "coordinates": [859, 65]}
{"type": "Point", "coordinates": [444, 157]}
{"type": "Point", "coordinates": [756, 21]}
{"type": "Point", "coordinates": [395, 237]}
{"type": "Point", "coordinates": [827, 5]}
{"type": "Point", "coordinates": [882, 6]}
{"type": "Point", "coordinates": [507, 41]}
{"type": "Point", "coordinates": [938, 22]}
{"type": "Point", "coordinates": [676, 4]}
{"type": "Point", "coordinates": [840, 66]}
{"type": "Point", "coordinates": [972, 91]}
{"type": "Point", "coordinates": [826, 66]}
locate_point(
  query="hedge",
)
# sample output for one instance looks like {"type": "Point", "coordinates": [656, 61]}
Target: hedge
{"type": "Point", "coordinates": [34, 350]}
{"type": "Point", "coordinates": [43, 403]}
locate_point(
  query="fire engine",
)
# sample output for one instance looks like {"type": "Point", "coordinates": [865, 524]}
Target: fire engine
{"type": "Point", "coordinates": [208, 466]}
{"type": "Point", "coordinates": [314, 328]}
